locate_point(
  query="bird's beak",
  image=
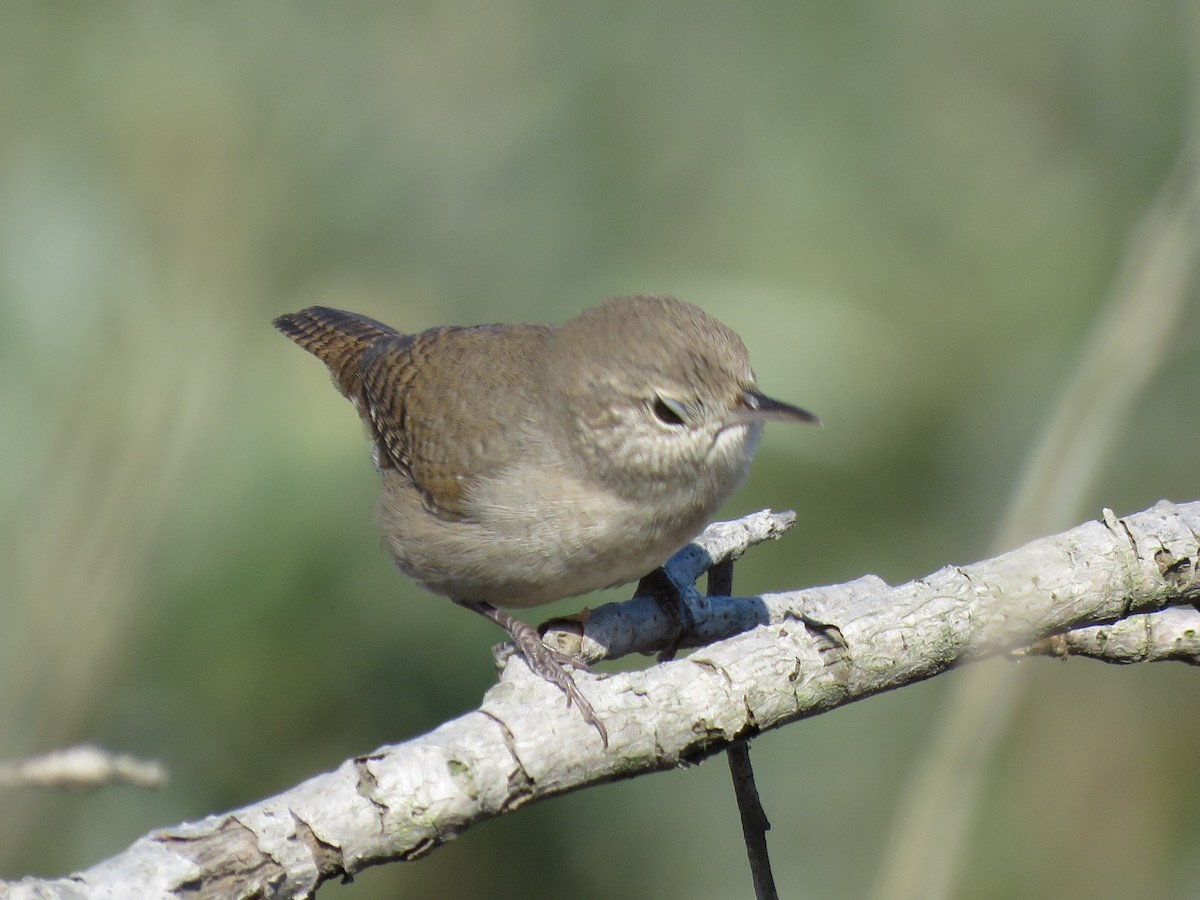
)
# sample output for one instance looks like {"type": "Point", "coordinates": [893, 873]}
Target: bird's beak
{"type": "Point", "coordinates": [758, 407]}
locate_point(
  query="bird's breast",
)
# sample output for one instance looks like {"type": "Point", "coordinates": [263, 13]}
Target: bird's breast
{"type": "Point", "coordinates": [533, 535]}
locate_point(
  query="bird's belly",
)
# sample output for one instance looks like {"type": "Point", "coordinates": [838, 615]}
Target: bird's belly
{"type": "Point", "coordinates": [559, 543]}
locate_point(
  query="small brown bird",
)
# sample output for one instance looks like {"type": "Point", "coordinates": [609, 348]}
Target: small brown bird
{"type": "Point", "coordinates": [521, 464]}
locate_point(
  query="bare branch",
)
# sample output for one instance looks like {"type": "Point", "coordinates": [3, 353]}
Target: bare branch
{"type": "Point", "coordinates": [639, 625]}
{"type": "Point", "coordinates": [792, 656]}
{"type": "Point", "coordinates": [82, 768]}
{"type": "Point", "coordinates": [1170, 635]}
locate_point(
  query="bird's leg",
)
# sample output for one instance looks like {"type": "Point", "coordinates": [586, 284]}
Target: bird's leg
{"type": "Point", "coordinates": [545, 662]}
{"type": "Point", "coordinates": [666, 594]}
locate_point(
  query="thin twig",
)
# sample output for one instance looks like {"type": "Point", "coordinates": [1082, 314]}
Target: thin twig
{"type": "Point", "coordinates": [754, 818]}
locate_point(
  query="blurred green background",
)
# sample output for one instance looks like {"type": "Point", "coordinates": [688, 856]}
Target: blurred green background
{"type": "Point", "coordinates": [911, 212]}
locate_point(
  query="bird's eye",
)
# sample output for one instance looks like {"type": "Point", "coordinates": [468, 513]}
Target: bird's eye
{"type": "Point", "coordinates": [670, 412]}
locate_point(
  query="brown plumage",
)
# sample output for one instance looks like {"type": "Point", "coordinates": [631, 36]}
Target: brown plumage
{"type": "Point", "coordinates": [525, 463]}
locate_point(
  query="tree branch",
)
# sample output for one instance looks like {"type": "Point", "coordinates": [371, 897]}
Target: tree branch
{"type": "Point", "coordinates": [778, 658]}
{"type": "Point", "coordinates": [82, 768]}
{"type": "Point", "coordinates": [1170, 635]}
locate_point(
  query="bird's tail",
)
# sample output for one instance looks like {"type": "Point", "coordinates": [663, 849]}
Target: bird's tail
{"type": "Point", "coordinates": [338, 339]}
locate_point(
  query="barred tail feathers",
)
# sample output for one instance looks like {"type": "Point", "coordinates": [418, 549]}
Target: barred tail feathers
{"type": "Point", "coordinates": [338, 339]}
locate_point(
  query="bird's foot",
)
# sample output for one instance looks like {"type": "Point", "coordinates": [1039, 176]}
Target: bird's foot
{"type": "Point", "coordinates": [667, 595]}
{"type": "Point", "coordinates": [554, 667]}
{"type": "Point", "coordinates": [545, 662]}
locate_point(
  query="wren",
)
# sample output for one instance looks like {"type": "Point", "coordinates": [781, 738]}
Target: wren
{"type": "Point", "coordinates": [521, 464]}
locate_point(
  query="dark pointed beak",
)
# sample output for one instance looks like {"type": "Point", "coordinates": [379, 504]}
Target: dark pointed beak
{"type": "Point", "coordinates": [758, 407]}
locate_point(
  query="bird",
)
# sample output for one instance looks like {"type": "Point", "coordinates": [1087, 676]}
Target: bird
{"type": "Point", "coordinates": [520, 464]}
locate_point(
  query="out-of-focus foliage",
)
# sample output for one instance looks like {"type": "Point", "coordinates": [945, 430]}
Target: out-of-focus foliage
{"type": "Point", "coordinates": [911, 212]}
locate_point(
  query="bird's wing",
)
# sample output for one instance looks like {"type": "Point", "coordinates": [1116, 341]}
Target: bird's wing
{"type": "Point", "coordinates": [437, 405]}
